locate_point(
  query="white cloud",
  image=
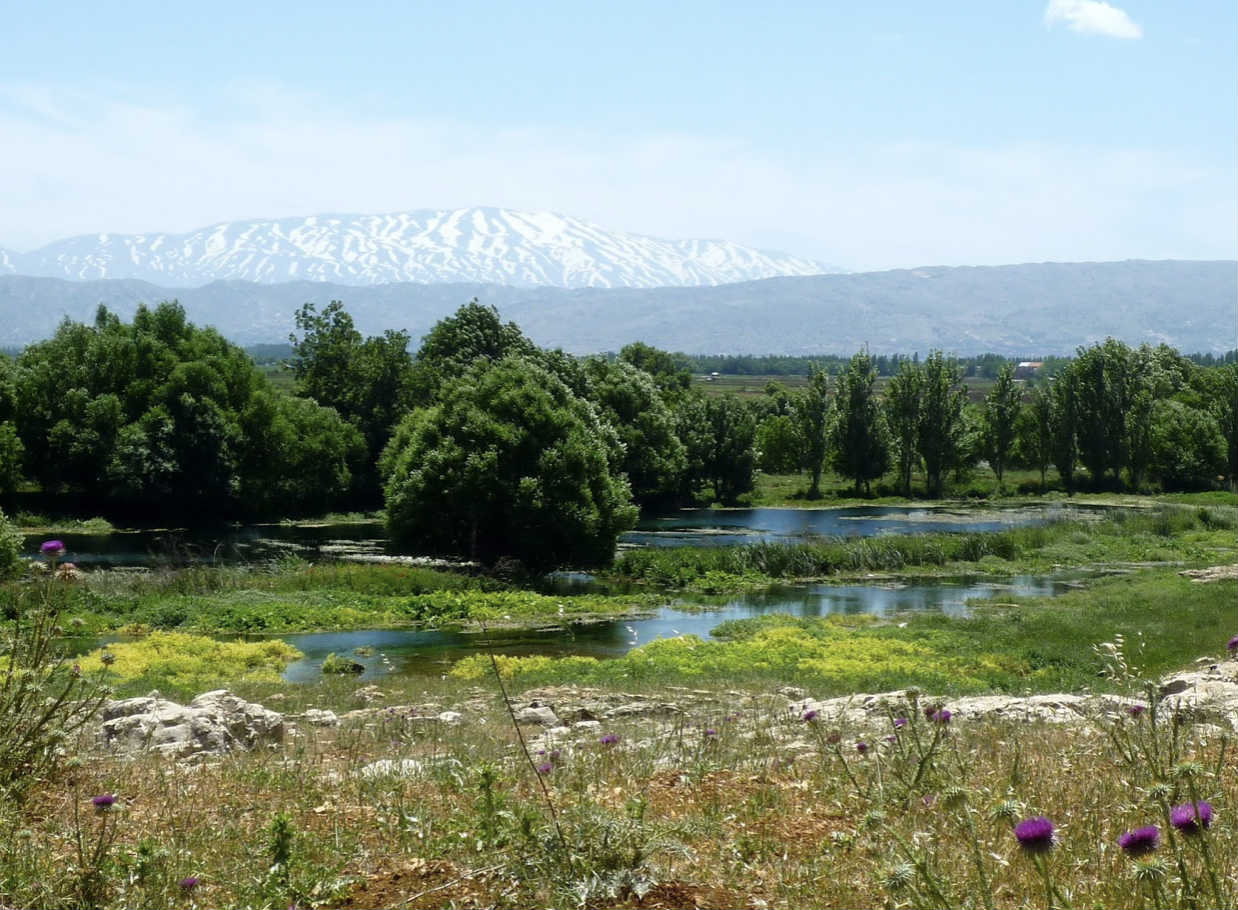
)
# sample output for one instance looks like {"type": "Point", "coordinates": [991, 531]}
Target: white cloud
{"type": "Point", "coordinates": [78, 163]}
{"type": "Point", "coordinates": [1092, 17]}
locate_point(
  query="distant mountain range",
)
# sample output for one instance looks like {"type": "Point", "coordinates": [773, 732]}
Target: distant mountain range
{"type": "Point", "coordinates": [480, 245]}
{"type": "Point", "coordinates": [1045, 308]}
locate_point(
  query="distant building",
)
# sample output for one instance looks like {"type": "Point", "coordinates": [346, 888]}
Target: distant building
{"type": "Point", "coordinates": [1026, 369]}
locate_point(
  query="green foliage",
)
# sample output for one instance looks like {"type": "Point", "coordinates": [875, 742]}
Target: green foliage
{"type": "Point", "coordinates": [153, 414]}
{"type": "Point", "coordinates": [11, 563]}
{"type": "Point", "coordinates": [369, 382]}
{"type": "Point", "coordinates": [940, 433]}
{"type": "Point", "coordinates": [813, 414]}
{"type": "Point", "coordinates": [1001, 411]}
{"type": "Point", "coordinates": [1223, 402]}
{"type": "Point", "coordinates": [43, 701]}
{"type": "Point", "coordinates": [780, 444]}
{"type": "Point", "coordinates": [188, 662]}
{"type": "Point", "coordinates": [508, 463]}
{"type": "Point", "coordinates": [654, 459]}
{"type": "Point", "coordinates": [11, 452]}
{"type": "Point", "coordinates": [454, 345]}
{"type": "Point", "coordinates": [671, 376]}
{"type": "Point", "coordinates": [1034, 432]}
{"type": "Point", "coordinates": [903, 401]}
{"type": "Point", "coordinates": [1187, 450]}
{"type": "Point", "coordinates": [334, 664]}
{"type": "Point", "coordinates": [730, 462]}
{"type": "Point", "coordinates": [859, 440]}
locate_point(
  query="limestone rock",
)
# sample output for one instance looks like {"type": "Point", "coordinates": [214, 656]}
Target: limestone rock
{"type": "Point", "coordinates": [317, 717]}
{"type": "Point", "coordinates": [212, 724]}
{"type": "Point", "coordinates": [537, 714]}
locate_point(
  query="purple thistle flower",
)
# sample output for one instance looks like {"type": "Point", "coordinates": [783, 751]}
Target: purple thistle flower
{"type": "Point", "coordinates": [189, 882]}
{"type": "Point", "coordinates": [1036, 835]}
{"type": "Point", "coordinates": [1233, 644]}
{"type": "Point", "coordinates": [609, 739]}
{"type": "Point", "coordinates": [941, 716]}
{"type": "Point", "coordinates": [900, 722]}
{"type": "Point", "coordinates": [1136, 710]}
{"type": "Point", "coordinates": [861, 747]}
{"type": "Point", "coordinates": [891, 739]}
{"type": "Point", "coordinates": [52, 547]}
{"type": "Point", "coordinates": [710, 731]}
{"type": "Point", "coordinates": [1190, 818]}
{"type": "Point", "coordinates": [1140, 841]}
{"type": "Point", "coordinates": [930, 710]}
{"type": "Point", "coordinates": [555, 754]}
{"type": "Point", "coordinates": [545, 768]}
{"type": "Point", "coordinates": [104, 801]}
{"type": "Point", "coordinates": [809, 716]}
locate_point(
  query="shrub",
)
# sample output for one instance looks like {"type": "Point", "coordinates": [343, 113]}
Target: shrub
{"type": "Point", "coordinates": [43, 701]}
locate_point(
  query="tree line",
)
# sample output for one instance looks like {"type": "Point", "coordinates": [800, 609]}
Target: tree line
{"type": "Point", "coordinates": [481, 444]}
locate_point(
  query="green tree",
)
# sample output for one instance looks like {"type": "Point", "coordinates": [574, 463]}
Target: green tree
{"type": "Point", "coordinates": [654, 459]}
{"type": "Point", "coordinates": [508, 463]}
{"type": "Point", "coordinates": [859, 441]}
{"type": "Point", "coordinates": [1223, 404]}
{"type": "Point", "coordinates": [813, 414]}
{"type": "Point", "coordinates": [368, 381]}
{"type": "Point", "coordinates": [1187, 448]}
{"type": "Point", "coordinates": [672, 378]}
{"type": "Point", "coordinates": [1001, 410]}
{"type": "Point", "coordinates": [731, 462]}
{"type": "Point", "coordinates": [780, 444]}
{"type": "Point", "coordinates": [902, 412]}
{"type": "Point", "coordinates": [1064, 423]}
{"type": "Point", "coordinates": [940, 436]}
{"type": "Point", "coordinates": [1034, 430]}
{"type": "Point", "coordinates": [473, 333]}
{"type": "Point", "coordinates": [147, 414]}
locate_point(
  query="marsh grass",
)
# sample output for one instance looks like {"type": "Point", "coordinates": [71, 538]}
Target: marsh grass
{"type": "Point", "coordinates": [767, 808]}
{"type": "Point", "coordinates": [1188, 534]}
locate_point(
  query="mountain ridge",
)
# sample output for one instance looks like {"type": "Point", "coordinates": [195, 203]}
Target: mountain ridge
{"type": "Point", "coordinates": [432, 246]}
{"type": "Point", "coordinates": [1024, 309]}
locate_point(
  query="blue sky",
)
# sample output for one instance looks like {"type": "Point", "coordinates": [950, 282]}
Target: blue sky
{"type": "Point", "coordinates": [865, 135]}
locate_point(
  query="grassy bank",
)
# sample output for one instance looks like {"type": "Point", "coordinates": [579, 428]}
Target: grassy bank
{"type": "Point", "coordinates": [1038, 645]}
{"type": "Point", "coordinates": [1178, 534]}
{"type": "Point", "coordinates": [298, 597]}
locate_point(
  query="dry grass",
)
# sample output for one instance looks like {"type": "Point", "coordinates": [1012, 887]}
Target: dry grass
{"type": "Point", "coordinates": [671, 817]}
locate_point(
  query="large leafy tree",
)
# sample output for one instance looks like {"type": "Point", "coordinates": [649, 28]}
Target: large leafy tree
{"type": "Point", "coordinates": [150, 414]}
{"type": "Point", "coordinates": [653, 457]}
{"type": "Point", "coordinates": [903, 400]}
{"type": "Point", "coordinates": [813, 414]}
{"type": "Point", "coordinates": [1001, 411]}
{"type": "Point", "coordinates": [860, 445]}
{"type": "Point", "coordinates": [941, 434]}
{"type": "Point", "coordinates": [1222, 402]}
{"type": "Point", "coordinates": [508, 463]}
{"type": "Point", "coordinates": [368, 381]}
{"type": "Point", "coordinates": [730, 463]}
{"type": "Point", "coordinates": [1064, 427]}
{"type": "Point", "coordinates": [1034, 431]}
{"type": "Point", "coordinates": [1186, 448]}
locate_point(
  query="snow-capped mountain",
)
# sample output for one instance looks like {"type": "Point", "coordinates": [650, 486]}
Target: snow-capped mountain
{"type": "Point", "coordinates": [6, 262]}
{"type": "Point", "coordinates": [499, 246]}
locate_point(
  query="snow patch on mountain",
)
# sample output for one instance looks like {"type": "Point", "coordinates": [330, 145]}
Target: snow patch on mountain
{"type": "Point", "coordinates": [491, 245]}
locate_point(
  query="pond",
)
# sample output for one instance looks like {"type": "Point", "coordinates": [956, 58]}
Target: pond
{"type": "Point", "coordinates": [366, 541]}
{"type": "Point", "coordinates": [421, 652]}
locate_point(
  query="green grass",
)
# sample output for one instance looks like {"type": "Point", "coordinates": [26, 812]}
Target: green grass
{"type": "Point", "coordinates": [298, 597]}
{"type": "Point", "coordinates": [1203, 535]}
{"type": "Point", "coordinates": [1039, 645]}
{"type": "Point", "coordinates": [29, 522]}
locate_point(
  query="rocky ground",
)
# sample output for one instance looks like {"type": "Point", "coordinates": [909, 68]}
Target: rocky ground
{"type": "Point", "coordinates": [557, 717]}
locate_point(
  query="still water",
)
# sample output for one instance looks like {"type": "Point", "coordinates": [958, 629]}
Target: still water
{"type": "Point", "coordinates": [419, 652]}
{"type": "Point", "coordinates": [687, 527]}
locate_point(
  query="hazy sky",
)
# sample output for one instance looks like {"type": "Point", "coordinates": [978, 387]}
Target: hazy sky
{"type": "Point", "coordinates": [867, 135]}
